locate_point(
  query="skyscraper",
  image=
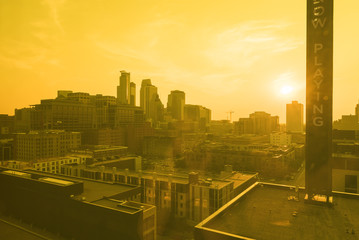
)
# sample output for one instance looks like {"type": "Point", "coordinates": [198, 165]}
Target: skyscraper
{"type": "Point", "coordinates": [133, 94]}
{"type": "Point", "coordinates": [294, 117]}
{"type": "Point", "coordinates": [175, 104]}
{"type": "Point", "coordinates": [123, 90]}
{"type": "Point", "coordinates": [148, 96]}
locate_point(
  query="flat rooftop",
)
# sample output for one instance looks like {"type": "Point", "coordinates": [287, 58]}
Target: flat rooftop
{"type": "Point", "coordinates": [239, 178]}
{"type": "Point", "coordinates": [10, 231]}
{"type": "Point", "coordinates": [265, 212]}
{"type": "Point", "coordinates": [182, 178]}
{"type": "Point", "coordinates": [125, 206]}
{"type": "Point", "coordinates": [12, 228]}
{"type": "Point", "coordinates": [93, 190]}
{"type": "Point", "coordinates": [117, 205]}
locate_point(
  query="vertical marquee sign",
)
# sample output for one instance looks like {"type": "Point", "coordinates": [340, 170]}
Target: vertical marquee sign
{"type": "Point", "coordinates": [319, 97]}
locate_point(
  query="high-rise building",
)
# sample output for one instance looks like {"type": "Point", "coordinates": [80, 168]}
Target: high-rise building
{"type": "Point", "coordinates": [175, 104]}
{"type": "Point", "coordinates": [294, 116]}
{"type": "Point", "coordinates": [160, 109]}
{"type": "Point", "coordinates": [198, 114]}
{"type": "Point", "coordinates": [148, 98]}
{"type": "Point", "coordinates": [133, 94]}
{"type": "Point", "coordinates": [124, 89]}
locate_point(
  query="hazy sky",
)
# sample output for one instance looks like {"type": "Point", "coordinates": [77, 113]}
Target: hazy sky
{"type": "Point", "coordinates": [224, 54]}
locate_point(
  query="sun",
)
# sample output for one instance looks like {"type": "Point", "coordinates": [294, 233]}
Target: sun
{"type": "Point", "coordinates": [285, 90]}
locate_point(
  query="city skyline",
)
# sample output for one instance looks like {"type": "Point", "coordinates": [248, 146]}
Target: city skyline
{"type": "Point", "coordinates": [216, 53]}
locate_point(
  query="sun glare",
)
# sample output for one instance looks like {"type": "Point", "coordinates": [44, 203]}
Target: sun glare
{"type": "Point", "coordinates": [285, 90]}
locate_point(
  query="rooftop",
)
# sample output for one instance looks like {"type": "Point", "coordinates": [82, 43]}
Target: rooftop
{"type": "Point", "coordinates": [175, 177]}
{"type": "Point", "coordinates": [93, 190]}
{"type": "Point", "coordinates": [267, 211]}
{"type": "Point", "coordinates": [124, 206]}
{"type": "Point", "coordinates": [239, 178]}
{"type": "Point", "coordinates": [12, 231]}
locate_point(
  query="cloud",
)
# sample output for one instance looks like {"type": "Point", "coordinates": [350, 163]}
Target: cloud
{"type": "Point", "coordinates": [244, 44]}
{"type": "Point", "coordinates": [54, 13]}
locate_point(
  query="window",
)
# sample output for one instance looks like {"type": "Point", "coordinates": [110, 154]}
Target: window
{"type": "Point", "coordinates": [351, 183]}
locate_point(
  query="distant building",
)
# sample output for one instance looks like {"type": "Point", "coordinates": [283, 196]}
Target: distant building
{"type": "Point", "coordinates": [77, 112]}
{"type": "Point", "coordinates": [133, 94]}
{"type": "Point", "coordinates": [347, 122]}
{"type": "Point", "coordinates": [53, 165]}
{"type": "Point", "coordinates": [74, 113]}
{"type": "Point", "coordinates": [161, 146]}
{"type": "Point", "coordinates": [6, 125]}
{"type": "Point", "coordinates": [44, 144]}
{"type": "Point", "coordinates": [150, 102]}
{"type": "Point", "coordinates": [175, 104]}
{"type": "Point", "coordinates": [294, 117]}
{"type": "Point", "coordinates": [24, 119]}
{"type": "Point", "coordinates": [101, 152]}
{"type": "Point", "coordinates": [268, 160]}
{"type": "Point", "coordinates": [197, 113]}
{"type": "Point", "coordinates": [280, 139]}
{"type": "Point", "coordinates": [136, 134]}
{"type": "Point", "coordinates": [105, 136]}
{"type": "Point", "coordinates": [6, 149]}
{"type": "Point", "coordinates": [221, 127]}
{"type": "Point", "coordinates": [124, 89]}
{"type": "Point", "coordinates": [259, 123]}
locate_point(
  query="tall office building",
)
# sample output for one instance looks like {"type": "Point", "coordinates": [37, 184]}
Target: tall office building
{"type": "Point", "coordinates": [124, 89]}
{"type": "Point", "coordinates": [294, 117]}
{"type": "Point", "coordinates": [133, 94]}
{"type": "Point", "coordinates": [159, 109]}
{"type": "Point", "coordinates": [148, 96]}
{"type": "Point", "coordinates": [175, 104]}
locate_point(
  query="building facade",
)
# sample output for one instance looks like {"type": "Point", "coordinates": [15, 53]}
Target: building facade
{"type": "Point", "coordinates": [294, 117]}
{"type": "Point", "coordinates": [259, 123]}
{"type": "Point", "coordinates": [179, 195]}
{"type": "Point", "coordinates": [280, 139]}
{"type": "Point", "coordinates": [148, 98]}
{"type": "Point", "coordinates": [124, 89]}
{"type": "Point", "coordinates": [44, 144]}
{"type": "Point", "coordinates": [175, 104]}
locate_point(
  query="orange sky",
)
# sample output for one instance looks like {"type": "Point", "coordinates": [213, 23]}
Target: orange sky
{"type": "Point", "coordinates": [225, 55]}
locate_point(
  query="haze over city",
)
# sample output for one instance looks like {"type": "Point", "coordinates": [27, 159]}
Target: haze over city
{"type": "Point", "coordinates": [222, 54]}
{"type": "Point", "coordinates": [178, 119]}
